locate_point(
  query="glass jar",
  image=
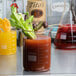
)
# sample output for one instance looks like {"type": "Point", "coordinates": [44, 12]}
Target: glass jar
{"type": "Point", "coordinates": [8, 64]}
{"type": "Point", "coordinates": [37, 52]}
{"type": "Point", "coordinates": [8, 42]}
{"type": "Point", "coordinates": [66, 34]}
{"type": "Point", "coordinates": [66, 37]}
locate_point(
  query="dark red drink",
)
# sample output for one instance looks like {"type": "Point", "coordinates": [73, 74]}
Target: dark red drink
{"type": "Point", "coordinates": [66, 37]}
{"type": "Point", "coordinates": [37, 53]}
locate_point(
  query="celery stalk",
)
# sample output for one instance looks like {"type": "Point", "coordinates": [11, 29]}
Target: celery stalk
{"type": "Point", "coordinates": [18, 22]}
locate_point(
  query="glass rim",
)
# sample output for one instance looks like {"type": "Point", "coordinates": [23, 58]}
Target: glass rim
{"type": "Point", "coordinates": [60, 25]}
{"type": "Point", "coordinates": [43, 31]}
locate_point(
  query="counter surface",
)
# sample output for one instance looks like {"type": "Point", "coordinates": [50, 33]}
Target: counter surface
{"type": "Point", "coordinates": [62, 62]}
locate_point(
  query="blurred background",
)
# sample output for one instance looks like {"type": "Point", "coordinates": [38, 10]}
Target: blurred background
{"type": "Point", "coordinates": [57, 11]}
{"type": "Point", "coordinates": [54, 11]}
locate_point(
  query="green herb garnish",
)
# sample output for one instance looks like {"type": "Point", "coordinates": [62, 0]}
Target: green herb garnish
{"type": "Point", "coordinates": [18, 21]}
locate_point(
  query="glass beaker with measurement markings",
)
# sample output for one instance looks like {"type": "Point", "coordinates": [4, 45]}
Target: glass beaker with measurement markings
{"type": "Point", "coordinates": [37, 53]}
{"type": "Point", "coordinates": [8, 42]}
{"type": "Point", "coordinates": [66, 34]}
{"type": "Point", "coordinates": [66, 37]}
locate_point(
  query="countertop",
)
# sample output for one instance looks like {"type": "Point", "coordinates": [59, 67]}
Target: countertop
{"type": "Point", "coordinates": [62, 62]}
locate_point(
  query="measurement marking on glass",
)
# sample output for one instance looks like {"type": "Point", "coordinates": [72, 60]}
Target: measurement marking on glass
{"type": "Point", "coordinates": [32, 58]}
{"type": "Point", "coordinates": [63, 36]}
{"type": "Point", "coordinates": [4, 46]}
{"type": "Point", "coordinates": [45, 45]}
{"type": "Point", "coordinates": [44, 51]}
{"type": "Point", "coordinates": [13, 45]}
